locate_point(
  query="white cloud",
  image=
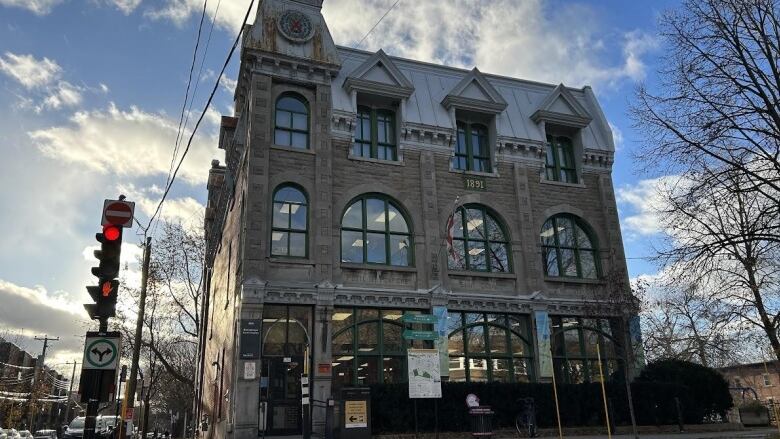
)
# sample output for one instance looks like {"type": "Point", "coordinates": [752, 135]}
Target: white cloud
{"type": "Point", "coordinates": [126, 6]}
{"type": "Point", "coordinates": [185, 210]}
{"type": "Point", "coordinates": [617, 136]}
{"type": "Point", "coordinates": [29, 71]}
{"type": "Point", "coordinates": [36, 309]}
{"type": "Point", "coordinates": [229, 15]}
{"type": "Point", "coordinates": [641, 199]}
{"type": "Point", "coordinates": [64, 94]}
{"type": "Point", "coordinates": [39, 7]}
{"type": "Point", "coordinates": [131, 143]}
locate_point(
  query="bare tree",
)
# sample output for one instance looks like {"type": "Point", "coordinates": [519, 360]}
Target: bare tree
{"type": "Point", "coordinates": [717, 109]}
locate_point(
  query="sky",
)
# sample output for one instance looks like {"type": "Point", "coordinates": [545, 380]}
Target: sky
{"type": "Point", "coordinates": [91, 93]}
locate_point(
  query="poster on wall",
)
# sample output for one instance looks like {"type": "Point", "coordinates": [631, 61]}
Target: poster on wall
{"type": "Point", "coordinates": [543, 338]}
{"type": "Point", "coordinates": [442, 342]}
{"type": "Point", "coordinates": [424, 375]}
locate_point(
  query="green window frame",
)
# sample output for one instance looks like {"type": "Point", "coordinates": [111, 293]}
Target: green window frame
{"type": "Point", "coordinates": [482, 245]}
{"type": "Point", "coordinates": [290, 222]}
{"type": "Point", "coordinates": [375, 230]}
{"type": "Point", "coordinates": [559, 160]}
{"type": "Point", "coordinates": [472, 149]}
{"type": "Point", "coordinates": [487, 347]}
{"type": "Point", "coordinates": [291, 121]}
{"type": "Point", "coordinates": [375, 134]}
{"type": "Point", "coordinates": [574, 340]}
{"type": "Point", "coordinates": [368, 345]}
{"type": "Point", "coordinates": [569, 248]}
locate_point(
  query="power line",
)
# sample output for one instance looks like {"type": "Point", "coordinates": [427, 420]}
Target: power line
{"type": "Point", "coordinates": [377, 24]}
{"type": "Point", "coordinates": [202, 114]}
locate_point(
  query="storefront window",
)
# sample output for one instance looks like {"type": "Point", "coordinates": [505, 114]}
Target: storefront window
{"type": "Point", "coordinates": [489, 347]}
{"type": "Point", "coordinates": [577, 343]}
{"type": "Point", "coordinates": [368, 346]}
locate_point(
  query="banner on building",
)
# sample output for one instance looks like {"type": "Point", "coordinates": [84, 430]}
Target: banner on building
{"type": "Point", "coordinates": [424, 376]}
{"type": "Point", "coordinates": [635, 334]}
{"type": "Point", "coordinates": [442, 342]}
{"type": "Point", "coordinates": [543, 341]}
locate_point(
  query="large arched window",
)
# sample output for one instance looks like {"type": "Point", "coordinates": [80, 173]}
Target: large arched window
{"type": "Point", "coordinates": [374, 231]}
{"type": "Point", "coordinates": [568, 249]}
{"type": "Point", "coordinates": [472, 152]}
{"type": "Point", "coordinates": [290, 222]}
{"type": "Point", "coordinates": [292, 121]}
{"type": "Point", "coordinates": [482, 245]}
{"type": "Point", "coordinates": [490, 347]}
{"type": "Point", "coordinates": [575, 356]}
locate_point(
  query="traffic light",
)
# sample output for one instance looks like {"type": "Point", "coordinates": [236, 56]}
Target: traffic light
{"type": "Point", "coordinates": [105, 292]}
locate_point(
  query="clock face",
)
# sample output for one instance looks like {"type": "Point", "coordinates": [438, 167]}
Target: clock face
{"type": "Point", "coordinates": [296, 26]}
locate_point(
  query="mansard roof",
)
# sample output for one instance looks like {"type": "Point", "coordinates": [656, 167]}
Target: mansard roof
{"type": "Point", "coordinates": [562, 108]}
{"type": "Point", "coordinates": [432, 84]}
{"type": "Point", "coordinates": [379, 75]}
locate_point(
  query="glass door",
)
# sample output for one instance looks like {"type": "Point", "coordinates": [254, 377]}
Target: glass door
{"type": "Point", "coordinates": [284, 395]}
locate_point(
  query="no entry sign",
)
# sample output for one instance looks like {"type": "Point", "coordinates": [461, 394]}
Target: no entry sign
{"type": "Point", "coordinates": [118, 213]}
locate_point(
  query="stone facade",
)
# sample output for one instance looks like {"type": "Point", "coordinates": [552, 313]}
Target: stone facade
{"type": "Point", "coordinates": [244, 279]}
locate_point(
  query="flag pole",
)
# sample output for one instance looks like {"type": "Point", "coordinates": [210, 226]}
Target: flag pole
{"type": "Point", "coordinates": [603, 392]}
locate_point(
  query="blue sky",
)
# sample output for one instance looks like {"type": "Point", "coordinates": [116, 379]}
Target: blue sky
{"type": "Point", "coordinates": [90, 94]}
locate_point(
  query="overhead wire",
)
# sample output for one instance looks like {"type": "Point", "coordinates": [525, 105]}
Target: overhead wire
{"type": "Point", "coordinates": [202, 115]}
{"type": "Point", "coordinates": [377, 24]}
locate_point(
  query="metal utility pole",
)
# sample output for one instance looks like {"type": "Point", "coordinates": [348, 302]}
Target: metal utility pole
{"type": "Point", "coordinates": [70, 392]}
{"type": "Point", "coordinates": [38, 370]}
{"type": "Point", "coordinates": [129, 400]}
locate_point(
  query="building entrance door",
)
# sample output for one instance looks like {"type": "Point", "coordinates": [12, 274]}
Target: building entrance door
{"type": "Point", "coordinates": [284, 395]}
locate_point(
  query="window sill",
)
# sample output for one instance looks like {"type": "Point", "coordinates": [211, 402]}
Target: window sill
{"type": "Point", "coordinates": [561, 183]}
{"type": "Point", "coordinates": [574, 280]}
{"type": "Point", "coordinates": [379, 267]}
{"type": "Point", "coordinates": [292, 149]}
{"type": "Point", "coordinates": [452, 272]}
{"type": "Point", "coordinates": [481, 174]}
{"type": "Point", "coordinates": [290, 260]}
{"type": "Point", "coordinates": [358, 158]}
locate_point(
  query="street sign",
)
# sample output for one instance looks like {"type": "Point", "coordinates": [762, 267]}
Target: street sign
{"type": "Point", "coordinates": [413, 334]}
{"type": "Point", "coordinates": [428, 319]}
{"type": "Point", "coordinates": [355, 414]}
{"type": "Point", "coordinates": [118, 213]}
{"type": "Point", "coordinates": [101, 351]}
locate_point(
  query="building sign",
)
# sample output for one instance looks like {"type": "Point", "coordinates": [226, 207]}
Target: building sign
{"type": "Point", "coordinates": [442, 342]}
{"type": "Point", "coordinates": [355, 414]}
{"type": "Point", "coordinates": [419, 318]}
{"type": "Point", "coordinates": [474, 183]}
{"type": "Point", "coordinates": [250, 339]}
{"type": "Point", "coordinates": [543, 337]}
{"type": "Point", "coordinates": [415, 334]}
{"type": "Point", "coordinates": [424, 373]}
{"type": "Point", "coordinates": [324, 368]}
{"type": "Point", "coordinates": [250, 370]}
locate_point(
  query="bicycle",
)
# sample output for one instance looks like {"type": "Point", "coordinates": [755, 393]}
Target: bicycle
{"type": "Point", "coordinates": [525, 420]}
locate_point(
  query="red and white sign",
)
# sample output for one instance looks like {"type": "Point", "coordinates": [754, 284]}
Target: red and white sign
{"type": "Point", "coordinates": [118, 213]}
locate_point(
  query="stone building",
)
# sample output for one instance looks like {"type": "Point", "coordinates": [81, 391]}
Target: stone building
{"type": "Point", "coordinates": [359, 187]}
{"type": "Point", "coordinates": [753, 381]}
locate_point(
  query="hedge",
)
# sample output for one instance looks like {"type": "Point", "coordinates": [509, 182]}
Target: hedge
{"type": "Point", "coordinates": [580, 405]}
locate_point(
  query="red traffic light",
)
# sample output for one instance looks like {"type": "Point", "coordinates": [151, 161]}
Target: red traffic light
{"type": "Point", "coordinates": [111, 233]}
{"type": "Point", "coordinates": [106, 289]}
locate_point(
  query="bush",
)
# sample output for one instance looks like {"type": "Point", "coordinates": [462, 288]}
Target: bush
{"type": "Point", "coordinates": [580, 404]}
{"type": "Point", "coordinates": [707, 391]}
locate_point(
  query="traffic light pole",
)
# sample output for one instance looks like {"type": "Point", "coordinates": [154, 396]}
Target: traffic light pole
{"type": "Point", "coordinates": [129, 399]}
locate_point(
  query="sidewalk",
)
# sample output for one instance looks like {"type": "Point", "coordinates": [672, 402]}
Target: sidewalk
{"type": "Point", "coordinates": [760, 433]}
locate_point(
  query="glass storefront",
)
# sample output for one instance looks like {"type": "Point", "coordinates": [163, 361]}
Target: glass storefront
{"type": "Point", "coordinates": [368, 345]}
{"type": "Point", "coordinates": [574, 341]}
{"type": "Point", "coordinates": [490, 347]}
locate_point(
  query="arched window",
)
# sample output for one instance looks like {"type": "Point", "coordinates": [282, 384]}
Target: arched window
{"type": "Point", "coordinates": [559, 161]}
{"type": "Point", "coordinates": [290, 222]}
{"type": "Point", "coordinates": [369, 347]}
{"type": "Point", "coordinates": [375, 134]}
{"type": "Point", "coordinates": [482, 245]}
{"type": "Point", "coordinates": [568, 249]}
{"type": "Point", "coordinates": [490, 347]}
{"type": "Point", "coordinates": [574, 342]}
{"type": "Point", "coordinates": [471, 150]}
{"type": "Point", "coordinates": [292, 121]}
{"type": "Point", "coordinates": [374, 231]}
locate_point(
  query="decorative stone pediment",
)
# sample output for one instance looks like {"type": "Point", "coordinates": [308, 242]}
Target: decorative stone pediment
{"type": "Point", "coordinates": [475, 93]}
{"type": "Point", "coordinates": [561, 108]}
{"type": "Point", "coordinates": [379, 76]}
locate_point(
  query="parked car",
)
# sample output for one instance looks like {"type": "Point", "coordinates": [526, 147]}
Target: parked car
{"type": "Point", "coordinates": [25, 434]}
{"type": "Point", "coordinates": [75, 429]}
{"type": "Point", "coordinates": [45, 434]}
{"type": "Point", "coordinates": [12, 433]}
{"type": "Point", "coordinates": [3, 434]}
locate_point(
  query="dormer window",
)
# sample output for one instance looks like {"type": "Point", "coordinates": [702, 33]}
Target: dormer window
{"type": "Point", "coordinates": [375, 134]}
{"type": "Point", "coordinates": [559, 160]}
{"type": "Point", "coordinates": [472, 151]}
